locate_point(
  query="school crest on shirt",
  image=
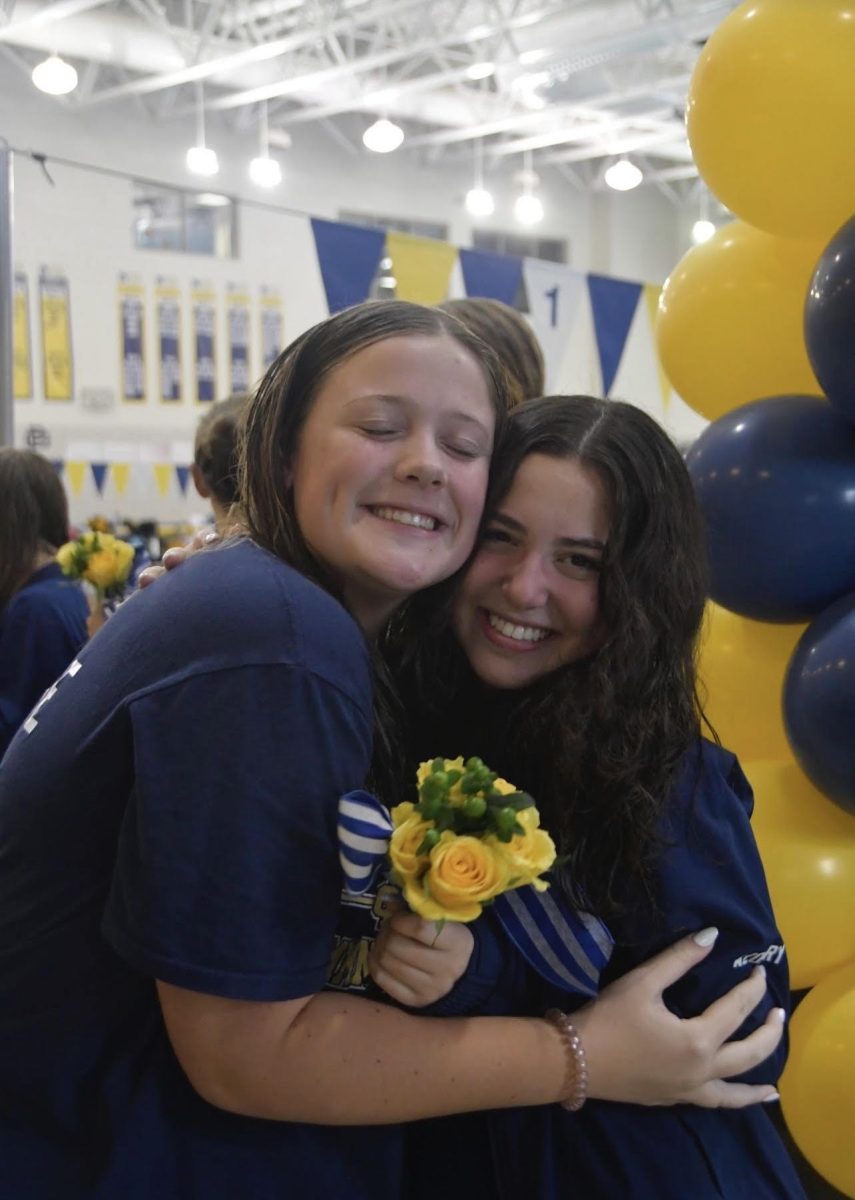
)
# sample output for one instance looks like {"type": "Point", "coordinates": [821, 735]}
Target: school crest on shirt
{"type": "Point", "coordinates": [359, 919]}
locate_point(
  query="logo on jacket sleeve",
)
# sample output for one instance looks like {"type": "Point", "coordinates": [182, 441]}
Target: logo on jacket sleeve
{"type": "Point", "coordinates": [772, 954]}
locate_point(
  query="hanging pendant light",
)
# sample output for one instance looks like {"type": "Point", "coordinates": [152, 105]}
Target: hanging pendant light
{"type": "Point", "coordinates": [383, 136]}
{"type": "Point", "coordinates": [264, 170]}
{"type": "Point", "coordinates": [54, 76]}
{"type": "Point", "coordinates": [479, 202]}
{"type": "Point", "coordinates": [623, 175]}
{"type": "Point", "coordinates": [201, 159]}
{"type": "Point", "coordinates": [528, 206]}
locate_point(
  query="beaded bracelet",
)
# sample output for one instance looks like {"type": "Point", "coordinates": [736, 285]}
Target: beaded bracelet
{"type": "Point", "coordinates": [577, 1067]}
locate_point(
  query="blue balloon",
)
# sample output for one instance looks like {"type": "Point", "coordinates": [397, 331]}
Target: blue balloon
{"type": "Point", "coordinates": [776, 482]}
{"type": "Point", "coordinates": [830, 321]}
{"type": "Point", "coordinates": [819, 702]}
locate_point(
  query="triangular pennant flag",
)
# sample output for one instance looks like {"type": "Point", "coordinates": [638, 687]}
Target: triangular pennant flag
{"type": "Point", "coordinates": [555, 293]}
{"type": "Point", "coordinates": [348, 256]}
{"type": "Point", "coordinates": [495, 276]}
{"type": "Point", "coordinates": [99, 474]}
{"type": "Point", "coordinates": [613, 304]}
{"type": "Point", "coordinates": [120, 473]}
{"type": "Point", "coordinates": [182, 474]}
{"type": "Point", "coordinates": [421, 266]}
{"type": "Point", "coordinates": [76, 472]}
{"type": "Point", "coordinates": [58, 465]}
{"type": "Point", "coordinates": [652, 292]}
{"type": "Point", "coordinates": [163, 476]}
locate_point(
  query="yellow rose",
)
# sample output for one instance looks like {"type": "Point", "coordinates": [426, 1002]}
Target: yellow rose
{"type": "Point", "coordinates": [404, 843]}
{"type": "Point", "coordinates": [528, 854]}
{"type": "Point", "coordinates": [65, 557]}
{"type": "Point", "coordinates": [124, 553]}
{"type": "Point", "coordinates": [464, 873]}
{"type": "Point", "coordinates": [101, 568]}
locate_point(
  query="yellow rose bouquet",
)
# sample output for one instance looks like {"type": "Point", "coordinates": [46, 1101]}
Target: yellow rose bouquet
{"type": "Point", "coordinates": [469, 838]}
{"type": "Point", "coordinates": [100, 559]}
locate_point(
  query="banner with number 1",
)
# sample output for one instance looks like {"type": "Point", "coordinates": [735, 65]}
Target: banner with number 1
{"type": "Point", "coordinates": [555, 293]}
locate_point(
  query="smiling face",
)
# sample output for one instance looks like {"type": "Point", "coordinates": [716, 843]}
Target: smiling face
{"type": "Point", "coordinates": [529, 602]}
{"type": "Point", "coordinates": [391, 469]}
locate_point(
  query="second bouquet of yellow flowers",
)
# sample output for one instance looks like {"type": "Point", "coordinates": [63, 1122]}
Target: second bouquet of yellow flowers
{"type": "Point", "coordinates": [98, 558]}
{"type": "Point", "coordinates": [469, 837]}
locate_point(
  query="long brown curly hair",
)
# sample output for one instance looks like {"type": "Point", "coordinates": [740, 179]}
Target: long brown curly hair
{"type": "Point", "coordinates": [596, 742]}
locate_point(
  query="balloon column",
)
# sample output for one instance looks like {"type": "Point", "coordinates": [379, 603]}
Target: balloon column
{"type": "Point", "coordinates": [756, 331]}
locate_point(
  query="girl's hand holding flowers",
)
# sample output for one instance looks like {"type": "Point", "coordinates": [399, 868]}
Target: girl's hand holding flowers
{"type": "Point", "coordinates": [413, 963]}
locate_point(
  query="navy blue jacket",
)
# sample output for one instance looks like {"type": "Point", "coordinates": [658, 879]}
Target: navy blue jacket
{"type": "Point", "coordinates": [710, 874]}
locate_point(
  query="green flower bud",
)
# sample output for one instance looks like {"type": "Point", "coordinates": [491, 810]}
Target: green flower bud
{"type": "Point", "coordinates": [475, 807]}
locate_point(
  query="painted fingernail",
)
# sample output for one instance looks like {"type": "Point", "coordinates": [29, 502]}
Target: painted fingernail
{"type": "Point", "coordinates": [706, 937]}
{"type": "Point", "coordinates": [771, 1098]}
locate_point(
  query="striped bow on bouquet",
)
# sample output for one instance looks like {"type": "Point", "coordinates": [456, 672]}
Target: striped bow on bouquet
{"type": "Point", "coordinates": [473, 839]}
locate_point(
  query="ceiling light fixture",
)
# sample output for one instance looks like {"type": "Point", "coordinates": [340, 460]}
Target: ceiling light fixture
{"type": "Point", "coordinates": [383, 136]}
{"type": "Point", "coordinates": [623, 175]}
{"type": "Point", "coordinates": [201, 160]}
{"type": "Point", "coordinates": [702, 231]}
{"type": "Point", "coordinates": [54, 76]}
{"type": "Point", "coordinates": [481, 70]}
{"type": "Point", "coordinates": [479, 202]}
{"type": "Point", "coordinates": [528, 208]}
{"type": "Point", "coordinates": [264, 170]}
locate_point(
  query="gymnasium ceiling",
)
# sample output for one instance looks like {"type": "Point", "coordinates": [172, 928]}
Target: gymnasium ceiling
{"type": "Point", "coordinates": [576, 83]}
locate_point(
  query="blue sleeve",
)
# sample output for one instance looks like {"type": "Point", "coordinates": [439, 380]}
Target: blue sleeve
{"type": "Point", "coordinates": [711, 874]}
{"type": "Point", "coordinates": [36, 645]}
{"type": "Point", "coordinates": [227, 878]}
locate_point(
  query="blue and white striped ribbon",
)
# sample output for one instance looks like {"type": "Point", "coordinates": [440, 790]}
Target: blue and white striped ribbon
{"type": "Point", "coordinates": [569, 949]}
{"type": "Point", "coordinates": [364, 829]}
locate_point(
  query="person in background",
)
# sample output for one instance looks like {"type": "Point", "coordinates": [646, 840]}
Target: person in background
{"type": "Point", "coordinates": [511, 337]}
{"type": "Point", "coordinates": [215, 465]}
{"type": "Point", "coordinates": [42, 614]}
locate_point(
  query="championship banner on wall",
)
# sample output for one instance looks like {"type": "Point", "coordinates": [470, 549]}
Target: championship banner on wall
{"type": "Point", "coordinates": [204, 307]}
{"type": "Point", "coordinates": [23, 373]}
{"type": "Point", "coordinates": [55, 310]}
{"type": "Point", "coordinates": [132, 338]}
{"type": "Point", "coordinates": [167, 303]}
{"type": "Point", "coordinates": [237, 325]}
{"type": "Point", "coordinates": [272, 326]}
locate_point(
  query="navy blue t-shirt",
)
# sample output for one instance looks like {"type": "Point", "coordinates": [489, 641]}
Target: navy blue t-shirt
{"type": "Point", "coordinates": [41, 629]}
{"type": "Point", "coordinates": [169, 812]}
{"type": "Point", "coordinates": [709, 874]}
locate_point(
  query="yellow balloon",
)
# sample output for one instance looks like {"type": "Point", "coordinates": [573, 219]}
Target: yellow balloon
{"type": "Point", "coordinates": [770, 114]}
{"type": "Point", "coordinates": [741, 668]}
{"type": "Point", "coordinates": [808, 849]}
{"type": "Point", "coordinates": [729, 328]}
{"type": "Point", "coordinates": [818, 1085]}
